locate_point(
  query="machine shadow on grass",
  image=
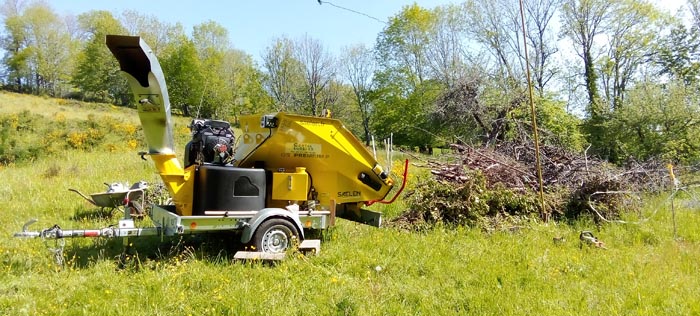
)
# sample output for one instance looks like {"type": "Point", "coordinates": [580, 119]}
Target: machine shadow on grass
{"type": "Point", "coordinates": [150, 252]}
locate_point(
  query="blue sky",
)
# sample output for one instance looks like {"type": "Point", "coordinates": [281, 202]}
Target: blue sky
{"type": "Point", "coordinates": [252, 25]}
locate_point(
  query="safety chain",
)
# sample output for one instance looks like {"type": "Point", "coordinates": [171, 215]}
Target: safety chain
{"type": "Point", "coordinates": [58, 243]}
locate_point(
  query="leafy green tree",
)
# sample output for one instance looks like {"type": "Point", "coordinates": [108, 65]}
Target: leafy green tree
{"type": "Point", "coordinates": [210, 38]}
{"type": "Point", "coordinates": [210, 79]}
{"type": "Point", "coordinates": [405, 114]}
{"type": "Point", "coordinates": [97, 73]}
{"type": "Point", "coordinates": [14, 43]}
{"type": "Point", "coordinates": [630, 27]}
{"type": "Point", "coordinates": [50, 44]}
{"type": "Point", "coordinates": [37, 48]}
{"type": "Point", "coordinates": [659, 121]}
{"type": "Point", "coordinates": [631, 35]}
{"type": "Point", "coordinates": [583, 21]}
{"type": "Point", "coordinates": [401, 45]}
{"type": "Point", "coordinates": [211, 41]}
{"type": "Point", "coordinates": [405, 92]}
{"type": "Point", "coordinates": [17, 53]}
{"type": "Point", "coordinates": [676, 54]}
{"type": "Point", "coordinates": [244, 84]}
{"type": "Point", "coordinates": [555, 125]}
{"type": "Point", "coordinates": [183, 72]}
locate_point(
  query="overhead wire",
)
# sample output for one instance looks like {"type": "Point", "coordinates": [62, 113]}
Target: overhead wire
{"type": "Point", "coordinates": [320, 2]}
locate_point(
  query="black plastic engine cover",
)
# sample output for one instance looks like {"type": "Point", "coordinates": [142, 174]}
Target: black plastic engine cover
{"type": "Point", "coordinates": [222, 188]}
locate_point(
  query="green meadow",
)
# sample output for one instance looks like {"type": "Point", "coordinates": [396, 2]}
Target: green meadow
{"type": "Point", "coordinates": [49, 145]}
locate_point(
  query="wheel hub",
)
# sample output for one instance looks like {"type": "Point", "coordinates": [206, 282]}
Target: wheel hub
{"type": "Point", "coordinates": [275, 241]}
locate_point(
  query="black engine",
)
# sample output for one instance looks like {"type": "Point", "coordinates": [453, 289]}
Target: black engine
{"type": "Point", "coordinates": [212, 142]}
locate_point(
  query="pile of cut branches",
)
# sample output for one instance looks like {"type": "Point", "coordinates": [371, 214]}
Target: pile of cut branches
{"type": "Point", "coordinates": [482, 183]}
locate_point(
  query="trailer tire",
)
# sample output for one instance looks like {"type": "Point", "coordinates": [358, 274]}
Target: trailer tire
{"type": "Point", "coordinates": [275, 235]}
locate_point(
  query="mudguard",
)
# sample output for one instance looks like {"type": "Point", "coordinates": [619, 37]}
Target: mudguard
{"type": "Point", "coordinates": [266, 214]}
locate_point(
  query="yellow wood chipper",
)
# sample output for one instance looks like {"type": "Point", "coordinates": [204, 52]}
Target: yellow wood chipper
{"type": "Point", "coordinates": [283, 175]}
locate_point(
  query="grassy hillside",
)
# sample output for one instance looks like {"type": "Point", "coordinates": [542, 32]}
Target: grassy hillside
{"type": "Point", "coordinates": [539, 269]}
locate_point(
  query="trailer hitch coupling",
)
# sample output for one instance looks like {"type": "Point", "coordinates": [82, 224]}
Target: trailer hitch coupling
{"type": "Point", "coordinates": [25, 230]}
{"type": "Point", "coordinates": [54, 233]}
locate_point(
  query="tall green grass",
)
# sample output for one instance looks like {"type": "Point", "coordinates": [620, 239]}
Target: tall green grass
{"type": "Point", "coordinates": [539, 269]}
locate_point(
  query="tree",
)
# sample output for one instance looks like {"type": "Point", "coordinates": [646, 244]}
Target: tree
{"type": "Point", "coordinates": [406, 116]}
{"type": "Point", "coordinates": [359, 68]}
{"type": "Point", "coordinates": [14, 43]}
{"type": "Point", "coordinates": [97, 73]}
{"type": "Point", "coordinates": [244, 84]}
{"type": "Point", "coordinates": [555, 125]}
{"type": "Point", "coordinates": [401, 45]}
{"type": "Point", "coordinates": [157, 34]}
{"type": "Point", "coordinates": [37, 48]}
{"type": "Point", "coordinates": [183, 71]}
{"type": "Point", "coordinates": [445, 54]}
{"type": "Point", "coordinates": [50, 44]}
{"type": "Point", "coordinates": [283, 74]}
{"type": "Point", "coordinates": [496, 26]}
{"type": "Point", "coordinates": [659, 121]}
{"type": "Point", "coordinates": [542, 41]}
{"type": "Point", "coordinates": [405, 90]}
{"type": "Point", "coordinates": [210, 38]}
{"type": "Point", "coordinates": [677, 54]}
{"type": "Point", "coordinates": [319, 72]}
{"type": "Point", "coordinates": [694, 7]}
{"type": "Point", "coordinates": [630, 45]}
{"type": "Point", "coordinates": [17, 53]}
{"type": "Point", "coordinates": [211, 42]}
{"type": "Point", "coordinates": [582, 22]}
{"type": "Point", "coordinates": [627, 29]}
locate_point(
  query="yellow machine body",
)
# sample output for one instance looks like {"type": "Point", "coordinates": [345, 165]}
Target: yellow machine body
{"type": "Point", "coordinates": [178, 181]}
{"type": "Point", "coordinates": [311, 161]}
{"type": "Point", "coordinates": [339, 168]}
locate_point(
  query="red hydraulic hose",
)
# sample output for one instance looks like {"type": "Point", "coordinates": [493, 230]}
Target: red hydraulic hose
{"type": "Point", "coordinates": [403, 185]}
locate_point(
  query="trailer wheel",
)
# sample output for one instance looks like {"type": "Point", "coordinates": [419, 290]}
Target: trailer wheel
{"type": "Point", "coordinates": [275, 235]}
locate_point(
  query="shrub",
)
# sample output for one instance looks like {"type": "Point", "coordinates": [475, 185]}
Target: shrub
{"type": "Point", "coordinates": [467, 202]}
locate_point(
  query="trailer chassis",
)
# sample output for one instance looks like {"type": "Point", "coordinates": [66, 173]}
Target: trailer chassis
{"type": "Point", "coordinates": [168, 223]}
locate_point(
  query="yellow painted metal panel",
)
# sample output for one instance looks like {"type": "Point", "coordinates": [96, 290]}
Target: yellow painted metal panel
{"type": "Point", "coordinates": [178, 181]}
{"type": "Point", "coordinates": [290, 186]}
{"type": "Point", "coordinates": [333, 157]}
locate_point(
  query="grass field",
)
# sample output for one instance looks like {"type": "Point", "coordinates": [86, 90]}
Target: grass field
{"type": "Point", "coordinates": [540, 269]}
